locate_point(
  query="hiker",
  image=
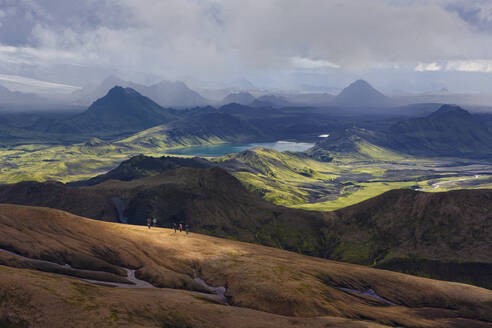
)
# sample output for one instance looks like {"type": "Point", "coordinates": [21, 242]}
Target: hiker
{"type": "Point", "coordinates": [180, 227]}
{"type": "Point", "coordinates": [149, 221]}
{"type": "Point", "coordinates": [175, 227]}
{"type": "Point", "coordinates": [154, 220]}
{"type": "Point", "coordinates": [187, 229]}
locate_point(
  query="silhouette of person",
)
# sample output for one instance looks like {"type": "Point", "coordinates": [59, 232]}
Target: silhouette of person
{"type": "Point", "coordinates": [187, 229]}
{"type": "Point", "coordinates": [154, 220]}
{"type": "Point", "coordinates": [180, 227]}
{"type": "Point", "coordinates": [149, 221]}
{"type": "Point", "coordinates": [175, 227]}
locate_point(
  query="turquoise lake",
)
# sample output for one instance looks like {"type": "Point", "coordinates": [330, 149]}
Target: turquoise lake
{"type": "Point", "coordinates": [224, 149]}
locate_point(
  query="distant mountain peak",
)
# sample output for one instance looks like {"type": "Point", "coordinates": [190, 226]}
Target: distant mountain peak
{"type": "Point", "coordinates": [449, 108]}
{"type": "Point", "coordinates": [360, 93]}
{"type": "Point", "coordinates": [449, 131]}
{"type": "Point", "coordinates": [362, 83]}
{"type": "Point", "coordinates": [121, 91]}
{"type": "Point", "coordinates": [451, 111]}
{"type": "Point", "coordinates": [243, 98]}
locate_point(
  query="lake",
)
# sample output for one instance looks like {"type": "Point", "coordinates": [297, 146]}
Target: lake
{"type": "Point", "coordinates": [231, 148]}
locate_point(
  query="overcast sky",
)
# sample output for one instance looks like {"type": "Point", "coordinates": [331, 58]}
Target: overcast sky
{"type": "Point", "coordinates": [398, 45]}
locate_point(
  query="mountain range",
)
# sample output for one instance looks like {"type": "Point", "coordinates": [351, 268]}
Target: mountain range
{"type": "Point", "coordinates": [166, 93]}
{"type": "Point", "coordinates": [14, 101]}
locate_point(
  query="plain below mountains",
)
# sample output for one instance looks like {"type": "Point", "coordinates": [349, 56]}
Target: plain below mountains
{"type": "Point", "coordinates": [421, 233]}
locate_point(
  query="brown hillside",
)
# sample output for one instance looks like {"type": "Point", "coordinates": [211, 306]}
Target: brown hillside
{"type": "Point", "coordinates": [275, 282]}
{"type": "Point", "coordinates": [445, 236]}
{"type": "Point", "coordinates": [210, 200]}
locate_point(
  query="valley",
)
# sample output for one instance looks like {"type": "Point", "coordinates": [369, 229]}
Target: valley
{"type": "Point", "coordinates": [286, 178]}
{"type": "Point", "coordinates": [245, 164]}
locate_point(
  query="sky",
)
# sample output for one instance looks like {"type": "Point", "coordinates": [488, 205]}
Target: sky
{"type": "Point", "coordinates": [309, 45]}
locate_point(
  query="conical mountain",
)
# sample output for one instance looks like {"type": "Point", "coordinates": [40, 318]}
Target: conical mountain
{"type": "Point", "coordinates": [359, 94]}
{"type": "Point", "coordinates": [121, 110]}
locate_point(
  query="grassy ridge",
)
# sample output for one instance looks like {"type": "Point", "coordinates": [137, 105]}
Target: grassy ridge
{"type": "Point", "coordinates": [299, 181]}
{"type": "Point", "coordinates": [85, 160]}
{"type": "Point", "coordinates": [288, 179]}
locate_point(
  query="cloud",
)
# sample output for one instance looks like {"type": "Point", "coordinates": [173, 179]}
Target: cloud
{"type": "Point", "coordinates": [483, 66]}
{"type": "Point", "coordinates": [37, 83]}
{"type": "Point", "coordinates": [421, 67]}
{"type": "Point", "coordinates": [227, 39]}
{"type": "Point", "coordinates": [300, 62]}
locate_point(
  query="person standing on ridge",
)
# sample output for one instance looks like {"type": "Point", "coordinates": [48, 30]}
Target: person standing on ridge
{"type": "Point", "coordinates": [175, 227]}
{"type": "Point", "coordinates": [154, 221]}
{"type": "Point", "coordinates": [149, 222]}
{"type": "Point", "coordinates": [181, 227]}
{"type": "Point", "coordinates": [187, 229]}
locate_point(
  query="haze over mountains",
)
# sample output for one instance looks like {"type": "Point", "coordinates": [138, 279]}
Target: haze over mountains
{"type": "Point", "coordinates": [246, 164]}
{"type": "Point", "coordinates": [178, 95]}
{"type": "Point", "coordinates": [165, 93]}
{"type": "Point", "coordinates": [360, 93]}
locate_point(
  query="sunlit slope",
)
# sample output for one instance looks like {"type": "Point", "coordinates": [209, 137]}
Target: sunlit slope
{"type": "Point", "coordinates": [274, 282]}
{"type": "Point", "coordinates": [86, 160]}
{"type": "Point", "coordinates": [427, 233]}
{"type": "Point", "coordinates": [349, 177]}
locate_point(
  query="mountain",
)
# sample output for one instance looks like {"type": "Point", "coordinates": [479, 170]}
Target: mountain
{"type": "Point", "coordinates": [121, 110]}
{"type": "Point", "coordinates": [360, 94]}
{"type": "Point", "coordinates": [206, 123]}
{"type": "Point", "coordinates": [450, 131]}
{"type": "Point", "coordinates": [242, 98]}
{"type": "Point", "coordinates": [271, 101]}
{"type": "Point", "coordinates": [91, 92]}
{"type": "Point", "coordinates": [165, 93]}
{"type": "Point", "coordinates": [354, 144]}
{"type": "Point", "coordinates": [402, 230]}
{"type": "Point", "coordinates": [25, 101]}
{"type": "Point", "coordinates": [165, 277]}
{"type": "Point", "coordinates": [310, 99]}
{"type": "Point", "coordinates": [173, 94]}
{"type": "Point", "coordinates": [142, 166]}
